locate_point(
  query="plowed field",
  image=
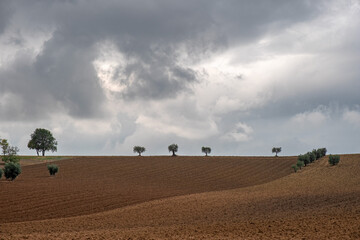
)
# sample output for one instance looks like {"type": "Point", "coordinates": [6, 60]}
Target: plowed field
{"type": "Point", "coordinates": [88, 185]}
{"type": "Point", "coordinates": [183, 198]}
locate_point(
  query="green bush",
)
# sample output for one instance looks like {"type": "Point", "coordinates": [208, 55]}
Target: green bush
{"type": "Point", "coordinates": [322, 152]}
{"type": "Point", "coordinates": [53, 169]}
{"type": "Point", "coordinates": [304, 158]}
{"type": "Point", "coordinates": [300, 164]}
{"type": "Point", "coordinates": [1, 173]}
{"type": "Point", "coordinates": [294, 167]}
{"type": "Point", "coordinates": [334, 159]}
{"type": "Point", "coordinates": [318, 153]}
{"type": "Point", "coordinates": [12, 170]}
{"type": "Point", "coordinates": [312, 156]}
{"type": "Point", "coordinates": [11, 158]}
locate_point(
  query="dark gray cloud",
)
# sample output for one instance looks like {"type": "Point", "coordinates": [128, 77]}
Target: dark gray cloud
{"type": "Point", "coordinates": [244, 21]}
{"type": "Point", "coordinates": [5, 13]}
{"type": "Point", "coordinates": [53, 48]}
{"type": "Point", "coordinates": [149, 32]}
{"type": "Point", "coordinates": [60, 79]}
{"type": "Point", "coordinates": [64, 68]}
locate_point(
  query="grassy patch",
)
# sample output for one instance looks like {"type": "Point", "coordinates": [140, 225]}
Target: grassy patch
{"type": "Point", "coordinates": [30, 160]}
{"type": "Point", "coordinates": [45, 158]}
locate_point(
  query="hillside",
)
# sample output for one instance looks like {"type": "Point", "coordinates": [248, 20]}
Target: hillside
{"type": "Point", "coordinates": [86, 185]}
{"type": "Point", "coordinates": [320, 202]}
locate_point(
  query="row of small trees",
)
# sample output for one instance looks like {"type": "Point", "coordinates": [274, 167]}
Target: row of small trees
{"type": "Point", "coordinates": [172, 148]}
{"type": "Point", "coordinates": [309, 157]}
{"type": "Point", "coordinates": [207, 150]}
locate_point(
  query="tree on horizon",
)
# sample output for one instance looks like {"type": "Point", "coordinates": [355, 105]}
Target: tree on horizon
{"type": "Point", "coordinates": [42, 140]}
{"type": "Point", "coordinates": [139, 150]}
{"type": "Point", "coordinates": [206, 150]}
{"type": "Point", "coordinates": [173, 148]}
{"type": "Point", "coordinates": [276, 150]}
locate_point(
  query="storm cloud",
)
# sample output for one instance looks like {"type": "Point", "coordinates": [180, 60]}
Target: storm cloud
{"type": "Point", "coordinates": [231, 74]}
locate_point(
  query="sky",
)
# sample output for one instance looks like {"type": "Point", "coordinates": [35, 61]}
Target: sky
{"type": "Point", "coordinates": [238, 76]}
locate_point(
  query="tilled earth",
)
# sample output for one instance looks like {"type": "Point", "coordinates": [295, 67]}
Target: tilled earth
{"type": "Point", "coordinates": [183, 198]}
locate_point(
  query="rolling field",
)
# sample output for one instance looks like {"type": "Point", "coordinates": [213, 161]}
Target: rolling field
{"type": "Point", "coordinates": [183, 198]}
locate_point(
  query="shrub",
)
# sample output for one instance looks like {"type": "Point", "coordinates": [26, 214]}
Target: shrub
{"type": "Point", "coordinates": [295, 167]}
{"type": "Point", "coordinates": [53, 169]}
{"type": "Point", "coordinates": [312, 156]}
{"type": "Point", "coordinates": [12, 170]}
{"type": "Point", "coordinates": [304, 158]}
{"type": "Point", "coordinates": [322, 152]}
{"type": "Point", "coordinates": [317, 153]}
{"type": "Point", "coordinates": [11, 158]}
{"type": "Point", "coordinates": [334, 159]}
{"type": "Point", "coordinates": [300, 164]}
{"type": "Point", "coordinates": [1, 173]}
{"type": "Point", "coordinates": [9, 152]}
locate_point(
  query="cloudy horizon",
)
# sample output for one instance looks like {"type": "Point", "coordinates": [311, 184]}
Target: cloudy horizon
{"type": "Point", "coordinates": [238, 76]}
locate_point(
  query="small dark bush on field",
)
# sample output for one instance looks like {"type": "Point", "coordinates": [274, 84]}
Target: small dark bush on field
{"type": "Point", "coordinates": [334, 159]}
{"type": "Point", "coordinates": [12, 170]}
{"type": "Point", "coordinates": [53, 169]}
{"type": "Point", "coordinates": [295, 167]}
{"type": "Point", "coordinates": [1, 173]}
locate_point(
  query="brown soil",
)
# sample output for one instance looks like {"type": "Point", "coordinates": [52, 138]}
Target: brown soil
{"type": "Point", "coordinates": [183, 198]}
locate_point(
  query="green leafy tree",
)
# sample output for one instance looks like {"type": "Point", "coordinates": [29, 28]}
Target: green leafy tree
{"type": "Point", "coordinates": [299, 164]}
{"type": "Point", "coordinates": [9, 152]}
{"type": "Point", "coordinates": [42, 140]}
{"type": "Point", "coordinates": [317, 153]}
{"type": "Point", "coordinates": [32, 145]}
{"type": "Point", "coordinates": [295, 167]}
{"type": "Point", "coordinates": [276, 150]}
{"type": "Point", "coordinates": [312, 156]}
{"type": "Point", "coordinates": [206, 150]}
{"type": "Point", "coordinates": [12, 170]}
{"type": "Point", "coordinates": [4, 146]}
{"type": "Point", "coordinates": [139, 150]}
{"type": "Point", "coordinates": [323, 152]}
{"type": "Point", "coordinates": [304, 158]}
{"type": "Point", "coordinates": [334, 159]}
{"type": "Point", "coordinates": [173, 148]}
{"type": "Point", "coordinates": [53, 169]}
